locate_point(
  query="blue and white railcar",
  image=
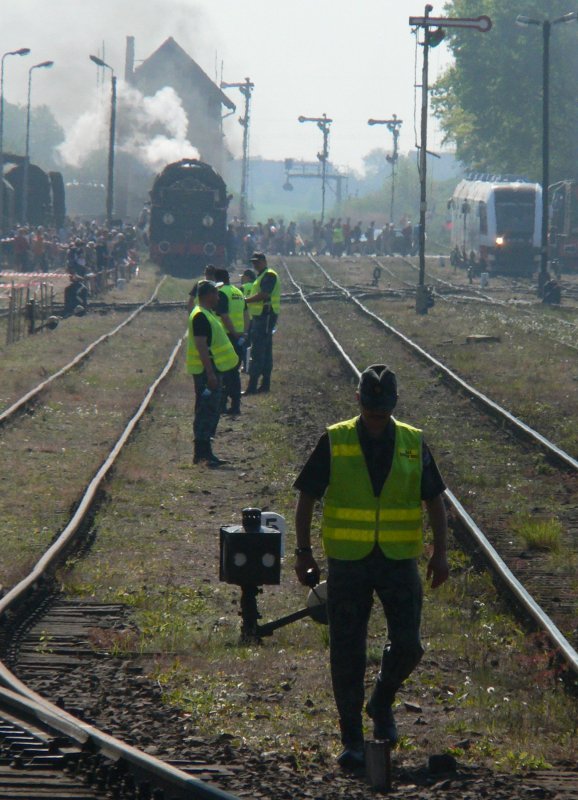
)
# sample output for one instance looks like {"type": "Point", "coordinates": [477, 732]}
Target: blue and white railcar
{"type": "Point", "coordinates": [496, 224]}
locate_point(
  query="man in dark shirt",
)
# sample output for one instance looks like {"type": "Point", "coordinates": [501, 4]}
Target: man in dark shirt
{"type": "Point", "coordinates": [372, 545]}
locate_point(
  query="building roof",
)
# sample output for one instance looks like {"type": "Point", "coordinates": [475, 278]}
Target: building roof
{"type": "Point", "coordinates": [170, 50]}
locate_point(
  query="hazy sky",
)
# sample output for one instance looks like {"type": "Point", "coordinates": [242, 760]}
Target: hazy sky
{"type": "Point", "coordinates": [352, 60]}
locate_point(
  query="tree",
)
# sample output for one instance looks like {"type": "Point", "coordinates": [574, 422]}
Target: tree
{"type": "Point", "coordinates": [45, 134]}
{"type": "Point", "coordinates": [489, 101]}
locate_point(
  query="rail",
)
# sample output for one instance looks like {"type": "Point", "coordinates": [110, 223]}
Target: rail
{"type": "Point", "coordinates": [489, 405]}
{"type": "Point", "coordinates": [27, 398]}
{"type": "Point", "coordinates": [568, 653]}
{"type": "Point", "coordinates": [17, 694]}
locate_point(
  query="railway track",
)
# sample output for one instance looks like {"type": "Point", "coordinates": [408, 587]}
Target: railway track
{"type": "Point", "coordinates": [552, 326]}
{"type": "Point", "coordinates": [38, 736]}
{"type": "Point", "coordinates": [544, 587]}
{"type": "Point", "coordinates": [60, 634]}
{"type": "Point", "coordinates": [31, 396]}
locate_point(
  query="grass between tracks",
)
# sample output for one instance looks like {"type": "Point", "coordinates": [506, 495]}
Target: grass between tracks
{"type": "Point", "coordinates": [527, 369]}
{"type": "Point", "coordinates": [485, 690]}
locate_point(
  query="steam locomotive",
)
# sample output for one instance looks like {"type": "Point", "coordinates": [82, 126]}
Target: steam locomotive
{"type": "Point", "coordinates": [46, 194]}
{"type": "Point", "coordinates": [188, 218]}
{"type": "Point", "coordinates": [496, 224]}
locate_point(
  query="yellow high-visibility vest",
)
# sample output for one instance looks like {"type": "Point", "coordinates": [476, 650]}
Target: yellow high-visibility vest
{"type": "Point", "coordinates": [221, 350]}
{"type": "Point", "coordinates": [354, 519]}
{"type": "Point", "coordinates": [236, 306]}
{"type": "Point", "coordinates": [247, 289]}
{"type": "Point", "coordinates": [275, 296]}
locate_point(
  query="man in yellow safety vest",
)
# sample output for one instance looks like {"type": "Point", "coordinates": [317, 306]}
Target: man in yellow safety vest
{"type": "Point", "coordinates": [374, 473]}
{"type": "Point", "coordinates": [263, 302]}
{"type": "Point", "coordinates": [232, 310]}
{"type": "Point", "coordinates": [210, 354]}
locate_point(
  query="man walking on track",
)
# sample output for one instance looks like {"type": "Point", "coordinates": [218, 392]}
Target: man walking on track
{"type": "Point", "coordinates": [264, 303]}
{"type": "Point", "coordinates": [374, 473]}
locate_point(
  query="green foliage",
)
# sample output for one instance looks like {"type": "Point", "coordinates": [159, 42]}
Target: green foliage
{"type": "Point", "coordinates": [520, 762]}
{"type": "Point", "coordinates": [489, 100]}
{"type": "Point", "coordinates": [45, 134]}
{"type": "Point", "coordinates": [540, 534]}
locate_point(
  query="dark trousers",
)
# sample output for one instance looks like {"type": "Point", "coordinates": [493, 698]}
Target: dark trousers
{"type": "Point", "coordinates": [350, 588]}
{"type": "Point", "coordinates": [207, 408]}
{"type": "Point", "coordinates": [262, 346]}
{"type": "Point", "coordinates": [232, 381]}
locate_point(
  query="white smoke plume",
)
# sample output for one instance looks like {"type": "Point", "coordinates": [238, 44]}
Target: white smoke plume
{"type": "Point", "coordinates": [152, 129]}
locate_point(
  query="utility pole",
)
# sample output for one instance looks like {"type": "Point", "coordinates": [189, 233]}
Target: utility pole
{"type": "Point", "coordinates": [431, 39]}
{"type": "Point", "coordinates": [246, 88]}
{"type": "Point", "coordinates": [546, 26]}
{"type": "Point", "coordinates": [323, 124]}
{"type": "Point", "coordinates": [393, 126]}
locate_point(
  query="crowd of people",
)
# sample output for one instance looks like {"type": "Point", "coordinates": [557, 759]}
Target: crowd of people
{"type": "Point", "coordinates": [44, 249]}
{"type": "Point", "coordinates": [335, 237]}
{"type": "Point", "coordinates": [92, 255]}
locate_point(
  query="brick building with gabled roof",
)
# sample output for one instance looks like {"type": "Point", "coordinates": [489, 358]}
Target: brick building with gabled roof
{"type": "Point", "coordinates": [202, 99]}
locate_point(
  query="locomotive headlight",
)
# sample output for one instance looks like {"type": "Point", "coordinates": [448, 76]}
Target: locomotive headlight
{"type": "Point", "coordinates": [499, 240]}
{"type": "Point", "coordinates": [168, 218]}
{"type": "Point", "coordinates": [208, 221]}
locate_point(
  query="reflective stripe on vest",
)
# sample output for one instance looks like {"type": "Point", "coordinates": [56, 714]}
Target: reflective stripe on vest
{"type": "Point", "coordinates": [221, 350]}
{"type": "Point", "coordinates": [354, 519]}
{"type": "Point", "coordinates": [247, 289]}
{"type": "Point", "coordinates": [236, 306]}
{"type": "Point", "coordinates": [275, 295]}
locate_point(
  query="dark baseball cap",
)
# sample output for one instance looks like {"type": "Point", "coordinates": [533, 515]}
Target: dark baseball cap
{"type": "Point", "coordinates": [258, 257]}
{"type": "Point", "coordinates": [378, 388]}
{"type": "Point", "coordinates": [248, 273]}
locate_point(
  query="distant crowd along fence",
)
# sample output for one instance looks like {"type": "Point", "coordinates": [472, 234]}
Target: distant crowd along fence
{"type": "Point", "coordinates": [37, 306]}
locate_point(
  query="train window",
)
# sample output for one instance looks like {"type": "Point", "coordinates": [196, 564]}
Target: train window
{"type": "Point", "coordinates": [515, 212]}
{"type": "Point", "coordinates": [483, 212]}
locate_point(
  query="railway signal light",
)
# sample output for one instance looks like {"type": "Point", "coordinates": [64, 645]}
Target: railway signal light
{"type": "Point", "coordinates": [431, 39]}
{"type": "Point", "coordinates": [393, 126]}
{"type": "Point", "coordinates": [323, 124]}
{"type": "Point", "coordinates": [246, 89]}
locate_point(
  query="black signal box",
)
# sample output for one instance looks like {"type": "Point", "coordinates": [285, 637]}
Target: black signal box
{"type": "Point", "coordinates": [250, 555]}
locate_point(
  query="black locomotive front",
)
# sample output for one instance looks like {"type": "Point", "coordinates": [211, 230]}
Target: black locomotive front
{"type": "Point", "coordinates": [188, 218]}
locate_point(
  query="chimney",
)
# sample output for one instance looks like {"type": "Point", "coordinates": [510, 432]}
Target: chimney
{"type": "Point", "coordinates": [129, 60]}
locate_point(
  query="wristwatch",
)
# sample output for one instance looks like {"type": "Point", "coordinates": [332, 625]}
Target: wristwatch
{"type": "Point", "coordinates": [300, 550]}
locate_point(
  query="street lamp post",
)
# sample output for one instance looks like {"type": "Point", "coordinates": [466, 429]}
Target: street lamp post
{"type": "Point", "coordinates": [43, 64]}
{"type": "Point", "coordinates": [110, 178]}
{"type": "Point", "coordinates": [23, 51]}
{"type": "Point", "coordinates": [546, 26]}
{"type": "Point", "coordinates": [393, 126]}
{"type": "Point", "coordinates": [246, 88]}
{"type": "Point", "coordinates": [323, 124]}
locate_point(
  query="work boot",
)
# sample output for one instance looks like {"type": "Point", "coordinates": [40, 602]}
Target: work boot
{"type": "Point", "coordinates": [202, 450]}
{"type": "Point", "coordinates": [384, 727]}
{"type": "Point", "coordinates": [213, 460]}
{"type": "Point", "coordinates": [352, 757]}
{"type": "Point", "coordinates": [265, 384]}
{"type": "Point", "coordinates": [251, 387]}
